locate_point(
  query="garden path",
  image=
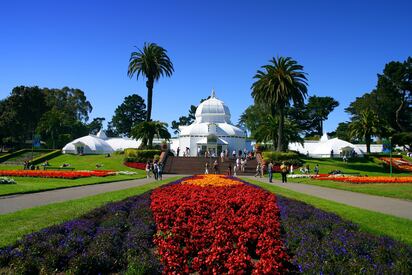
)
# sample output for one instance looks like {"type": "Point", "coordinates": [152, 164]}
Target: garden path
{"type": "Point", "coordinates": [390, 206]}
{"type": "Point", "coordinates": [17, 202]}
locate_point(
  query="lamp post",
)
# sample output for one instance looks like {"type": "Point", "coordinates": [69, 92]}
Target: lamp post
{"type": "Point", "coordinates": [390, 156]}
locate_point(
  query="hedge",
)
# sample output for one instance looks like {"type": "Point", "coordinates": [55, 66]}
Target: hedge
{"type": "Point", "coordinates": [11, 155]}
{"type": "Point", "coordinates": [279, 157]}
{"type": "Point", "coordinates": [45, 157]}
{"type": "Point", "coordinates": [136, 155]}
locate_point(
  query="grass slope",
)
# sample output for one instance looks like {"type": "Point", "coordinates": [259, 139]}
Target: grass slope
{"type": "Point", "coordinates": [14, 225]}
{"type": "Point", "coordinates": [376, 223]}
{"type": "Point", "coordinates": [88, 162]}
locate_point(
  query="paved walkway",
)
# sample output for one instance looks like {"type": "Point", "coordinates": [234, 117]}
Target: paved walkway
{"type": "Point", "coordinates": [390, 206]}
{"type": "Point", "coordinates": [17, 202]}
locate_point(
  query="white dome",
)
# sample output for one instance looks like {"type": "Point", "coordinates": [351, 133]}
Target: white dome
{"type": "Point", "coordinates": [212, 110]}
{"type": "Point", "coordinates": [204, 129]}
{"type": "Point", "coordinates": [89, 145]}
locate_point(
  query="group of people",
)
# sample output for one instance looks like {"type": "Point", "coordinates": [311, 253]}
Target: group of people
{"type": "Point", "coordinates": [154, 168]}
{"type": "Point", "coordinates": [29, 166]}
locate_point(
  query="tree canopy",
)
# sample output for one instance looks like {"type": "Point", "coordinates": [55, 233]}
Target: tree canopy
{"type": "Point", "coordinates": [131, 112]}
{"type": "Point", "coordinates": [281, 81]}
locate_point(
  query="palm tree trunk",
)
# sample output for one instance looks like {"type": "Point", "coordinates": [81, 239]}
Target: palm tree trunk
{"type": "Point", "coordinates": [149, 85]}
{"type": "Point", "coordinates": [368, 143]}
{"type": "Point", "coordinates": [280, 129]}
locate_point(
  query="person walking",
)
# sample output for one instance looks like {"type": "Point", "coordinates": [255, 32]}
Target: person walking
{"type": "Point", "coordinates": [156, 170]}
{"type": "Point", "coordinates": [160, 171]}
{"type": "Point", "coordinates": [147, 168]}
{"type": "Point", "coordinates": [207, 168]}
{"type": "Point", "coordinates": [177, 151]}
{"type": "Point", "coordinates": [235, 170]}
{"type": "Point", "coordinates": [291, 169]}
{"type": "Point", "coordinates": [258, 170]}
{"type": "Point", "coordinates": [222, 156]}
{"type": "Point", "coordinates": [316, 169]}
{"type": "Point", "coordinates": [270, 172]}
{"type": "Point", "coordinates": [215, 167]}
{"type": "Point", "coordinates": [284, 171]}
{"type": "Point", "coordinates": [229, 170]}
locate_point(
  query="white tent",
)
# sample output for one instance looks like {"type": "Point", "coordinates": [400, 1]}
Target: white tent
{"type": "Point", "coordinates": [119, 144]}
{"type": "Point", "coordinates": [324, 148]}
{"type": "Point", "coordinates": [90, 144]}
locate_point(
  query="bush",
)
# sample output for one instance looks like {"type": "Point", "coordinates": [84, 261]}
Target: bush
{"type": "Point", "coordinates": [278, 157]}
{"type": "Point", "coordinates": [136, 155]}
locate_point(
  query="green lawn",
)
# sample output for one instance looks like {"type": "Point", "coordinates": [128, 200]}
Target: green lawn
{"type": "Point", "coordinates": [395, 190]}
{"type": "Point", "coordinates": [14, 225]}
{"type": "Point", "coordinates": [357, 165]}
{"type": "Point", "coordinates": [361, 166]}
{"type": "Point", "coordinates": [88, 162]}
{"type": "Point", "coordinates": [369, 221]}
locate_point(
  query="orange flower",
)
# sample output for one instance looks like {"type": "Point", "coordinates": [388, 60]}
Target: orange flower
{"type": "Point", "coordinates": [211, 180]}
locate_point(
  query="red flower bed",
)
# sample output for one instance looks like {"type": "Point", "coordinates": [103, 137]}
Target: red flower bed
{"type": "Point", "coordinates": [398, 163]}
{"type": "Point", "coordinates": [55, 174]}
{"type": "Point", "coordinates": [377, 179]}
{"type": "Point", "coordinates": [230, 229]}
{"type": "Point", "coordinates": [136, 165]}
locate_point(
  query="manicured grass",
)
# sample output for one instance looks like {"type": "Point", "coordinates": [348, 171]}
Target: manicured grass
{"type": "Point", "coordinates": [14, 225]}
{"type": "Point", "coordinates": [363, 167]}
{"type": "Point", "coordinates": [376, 223]}
{"type": "Point", "coordinates": [357, 165]}
{"type": "Point", "coordinates": [32, 185]}
{"type": "Point", "coordinates": [393, 190]}
{"type": "Point", "coordinates": [88, 162]}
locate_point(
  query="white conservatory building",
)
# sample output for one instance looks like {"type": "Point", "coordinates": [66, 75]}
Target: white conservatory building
{"type": "Point", "coordinates": [212, 131]}
{"type": "Point", "coordinates": [98, 144]}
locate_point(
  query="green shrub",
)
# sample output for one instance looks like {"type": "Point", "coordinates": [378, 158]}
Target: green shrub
{"type": "Point", "coordinates": [136, 155]}
{"type": "Point", "coordinates": [278, 157]}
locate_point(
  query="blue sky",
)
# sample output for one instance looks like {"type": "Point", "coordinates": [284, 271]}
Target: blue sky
{"type": "Point", "coordinates": [86, 44]}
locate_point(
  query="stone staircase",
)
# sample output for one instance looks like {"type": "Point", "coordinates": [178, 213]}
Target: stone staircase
{"type": "Point", "coordinates": [196, 165]}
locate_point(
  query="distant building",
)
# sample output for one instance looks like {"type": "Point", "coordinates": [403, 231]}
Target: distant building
{"type": "Point", "coordinates": [212, 131]}
{"type": "Point", "coordinates": [325, 146]}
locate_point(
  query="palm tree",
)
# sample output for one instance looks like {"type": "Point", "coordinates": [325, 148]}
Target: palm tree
{"type": "Point", "coordinates": [152, 62]}
{"type": "Point", "coordinates": [267, 131]}
{"type": "Point", "coordinates": [148, 130]}
{"type": "Point", "coordinates": [281, 81]}
{"type": "Point", "coordinates": [365, 126]}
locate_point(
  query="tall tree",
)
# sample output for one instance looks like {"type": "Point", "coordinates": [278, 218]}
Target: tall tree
{"type": "Point", "coordinates": [152, 62]}
{"type": "Point", "coordinates": [148, 130]}
{"type": "Point", "coordinates": [280, 82]}
{"type": "Point", "coordinates": [96, 125]}
{"type": "Point", "coordinates": [394, 88]}
{"type": "Point", "coordinates": [318, 109]}
{"type": "Point", "coordinates": [131, 112]}
{"type": "Point", "coordinates": [365, 126]}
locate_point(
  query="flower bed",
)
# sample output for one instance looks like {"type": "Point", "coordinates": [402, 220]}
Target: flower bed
{"type": "Point", "coordinates": [398, 163]}
{"type": "Point", "coordinates": [55, 174]}
{"type": "Point", "coordinates": [365, 179]}
{"type": "Point", "coordinates": [109, 240]}
{"type": "Point", "coordinates": [322, 243]}
{"type": "Point", "coordinates": [216, 224]}
{"type": "Point", "coordinates": [136, 165]}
